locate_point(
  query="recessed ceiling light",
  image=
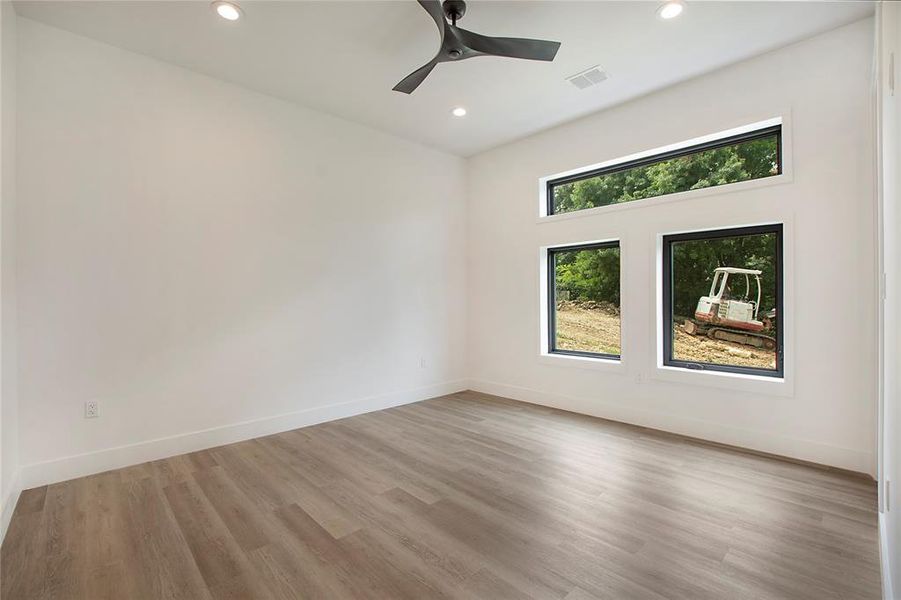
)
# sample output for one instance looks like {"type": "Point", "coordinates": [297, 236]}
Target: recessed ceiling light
{"type": "Point", "coordinates": [227, 10]}
{"type": "Point", "coordinates": [671, 9]}
{"type": "Point", "coordinates": [459, 112]}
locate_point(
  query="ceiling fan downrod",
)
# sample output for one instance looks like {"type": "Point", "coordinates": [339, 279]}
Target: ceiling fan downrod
{"type": "Point", "coordinates": [454, 10]}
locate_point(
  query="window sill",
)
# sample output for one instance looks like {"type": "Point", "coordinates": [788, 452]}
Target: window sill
{"type": "Point", "coordinates": [739, 382]}
{"type": "Point", "coordinates": [581, 362]}
{"type": "Point", "coordinates": [740, 186]}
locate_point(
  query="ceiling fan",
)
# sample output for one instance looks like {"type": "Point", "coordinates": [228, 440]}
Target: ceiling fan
{"type": "Point", "coordinates": [459, 44]}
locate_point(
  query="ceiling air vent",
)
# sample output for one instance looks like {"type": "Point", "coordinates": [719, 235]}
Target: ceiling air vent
{"type": "Point", "coordinates": [588, 77]}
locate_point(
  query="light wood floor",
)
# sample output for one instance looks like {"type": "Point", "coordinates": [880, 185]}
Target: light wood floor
{"type": "Point", "coordinates": [464, 496]}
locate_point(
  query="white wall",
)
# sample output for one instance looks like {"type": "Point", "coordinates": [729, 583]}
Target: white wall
{"type": "Point", "coordinates": [890, 175]}
{"type": "Point", "coordinates": [202, 258]}
{"type": "Point", "coordinates": [826, 410]}
{"type": "Point", "coordinates": [9, 424]}
{"type": "Point", "coordinates": [195, 255]}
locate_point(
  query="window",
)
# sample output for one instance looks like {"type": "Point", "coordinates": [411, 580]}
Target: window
{"type": "Point", "coordinates": [722, 300]}
{"type": "Point", "coordinates": [583, 300]}
{"type": "Point", "coordinates": [753, 155]}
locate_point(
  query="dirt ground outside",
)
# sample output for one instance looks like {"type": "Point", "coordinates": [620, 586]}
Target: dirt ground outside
{"type": "Point", "coordinates": [585, 329]}
{"type": "Point", "coordinates": [597, 329]}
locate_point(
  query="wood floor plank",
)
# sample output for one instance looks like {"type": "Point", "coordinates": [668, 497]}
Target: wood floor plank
{"type": "Point", "coordinates": [244, 524]}
{"type": "Point", "coordinates": [104, 543]}
{"type": "Point", "coordinates": [21, 571]}
{"type": "Point", "coordinates": [64, 549]}
{"type": "Point", "coordinates": [158, 561]}
{"type": "Point", "coordinates": [292, 574]}
{"type": "Point", "coordinates": [32, 500]}
{"type": "Point", "coordinates": [401, 517]}
{"type": "Point", "coordinates": [466, 496]}
{"type": "Point", "coordinates": [487, 584]}
{"type": "Point", "coordinates": [218, 556]}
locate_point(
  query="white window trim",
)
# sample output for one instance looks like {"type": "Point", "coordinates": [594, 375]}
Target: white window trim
{"type": "Point", "coordinates": [786, 176]}
{"type": "Point", "coordinates": [545, 356]}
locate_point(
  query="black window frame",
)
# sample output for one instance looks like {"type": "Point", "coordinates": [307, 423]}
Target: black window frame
{"type": "Point", "coordinates": [552, 298]}
{"type": "Point", "coordinates": [667, 294]}
{"type": "Point", "coordinates": [731, 140]}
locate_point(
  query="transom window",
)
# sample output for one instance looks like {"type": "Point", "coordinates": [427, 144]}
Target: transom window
{"type": "Point", "coordinates": [752, 155]}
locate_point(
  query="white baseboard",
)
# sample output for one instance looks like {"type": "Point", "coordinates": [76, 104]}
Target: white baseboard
{"type": "Point", "coordinates": [835, 456]}
{"type": "Point", "coordinates": [9, 503]}
{"type": "Point", "coordinates": [887, 588]}
{"type": "Point", "coordinates": [70, 467]}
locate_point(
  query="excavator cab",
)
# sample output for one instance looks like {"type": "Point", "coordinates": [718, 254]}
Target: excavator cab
{"type": "Point", "coordinates": [730, 311]}
{"type": "Point", "coordinates": [723, 306]}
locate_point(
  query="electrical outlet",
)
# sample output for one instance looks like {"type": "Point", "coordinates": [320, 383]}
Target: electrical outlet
{"type": "Point", "coordinates": [91, 409]}
{"type": "Point", "coordinates": [422, 362]}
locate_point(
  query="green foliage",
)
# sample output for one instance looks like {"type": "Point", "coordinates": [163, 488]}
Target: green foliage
{"type": "Point", "coordinates": [740, 162]}
{"type": "Point", "coordinates": [588, 274]}
{"type": "Point", "coordinates": [695, 260]}
{"type": "Point", "coordinates": [593, 275]}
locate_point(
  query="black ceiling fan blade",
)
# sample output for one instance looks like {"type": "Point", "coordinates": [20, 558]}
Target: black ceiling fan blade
{"type": "Point", "coordinates": [433, 7]}
{"type": "Point", "coordinates": [412, 81]}
{"type": "Point", "coordinates": [510, 47]}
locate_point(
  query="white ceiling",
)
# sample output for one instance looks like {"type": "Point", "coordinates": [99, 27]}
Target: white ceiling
{"type": "Point", "coordinates": [344, 57]}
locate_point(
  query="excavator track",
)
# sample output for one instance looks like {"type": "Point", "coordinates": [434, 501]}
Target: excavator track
{"type": "Point", "coordinates": [747, 338]}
